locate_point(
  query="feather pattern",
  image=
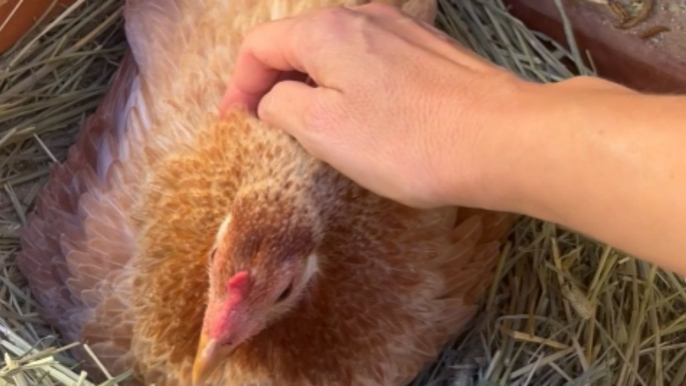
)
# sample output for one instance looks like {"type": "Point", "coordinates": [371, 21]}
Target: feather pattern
{"type": "Point", "coordinates": [116, 251]}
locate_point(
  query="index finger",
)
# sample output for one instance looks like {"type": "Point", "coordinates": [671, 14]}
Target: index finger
{"type": "Point", "coordinates": [300, 44]}
{"type": "Point", "coordinates": [268, 50]}
{"type": "Point", "coordinates": [265, 53]}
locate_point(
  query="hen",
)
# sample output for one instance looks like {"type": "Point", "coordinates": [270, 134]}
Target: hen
{"type": "Point", "coordinates": [205, 250]}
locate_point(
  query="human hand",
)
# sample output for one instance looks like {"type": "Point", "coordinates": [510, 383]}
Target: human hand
{"type": "Point", "coordinates": [398, 106]}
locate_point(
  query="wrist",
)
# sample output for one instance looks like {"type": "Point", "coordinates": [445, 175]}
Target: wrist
{"type": "Point", "coordinates": [533, 135]}
{"type": "Point", "coordinates": [492, 149]}
{"type": "Point", "coordinates": [549, 152]}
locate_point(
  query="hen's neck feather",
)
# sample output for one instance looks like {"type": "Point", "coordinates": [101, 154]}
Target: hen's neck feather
{"type": "Point", "coordinates": [191, 193]}
{"type": "Point", "coordinates": [235, 162]}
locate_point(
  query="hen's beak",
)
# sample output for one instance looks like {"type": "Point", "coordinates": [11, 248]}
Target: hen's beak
{"type": "Point", "coordinates": [205, 360]}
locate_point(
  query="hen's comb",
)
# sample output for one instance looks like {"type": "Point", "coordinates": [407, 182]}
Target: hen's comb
{"type": "Point", "coordinates": [223, 321]}
{"type": "Point", "coordinates": [238, 283]}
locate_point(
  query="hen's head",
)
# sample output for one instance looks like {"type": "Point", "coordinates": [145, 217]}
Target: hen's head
{"type": "Point", "coordinates": [261, 264]}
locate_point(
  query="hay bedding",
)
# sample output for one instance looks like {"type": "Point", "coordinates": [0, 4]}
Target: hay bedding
{"type": "Point", "coordinates": [564, 310]}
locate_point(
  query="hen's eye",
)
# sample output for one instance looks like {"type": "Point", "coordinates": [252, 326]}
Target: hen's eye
{"type": "Point", "coordinates": [285, 293]}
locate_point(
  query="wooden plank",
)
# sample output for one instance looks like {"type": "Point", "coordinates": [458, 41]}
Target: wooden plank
{"type": "Point", "coordinates": [656, 64]}
{"type": "Point", "coordinates": [18, 16]}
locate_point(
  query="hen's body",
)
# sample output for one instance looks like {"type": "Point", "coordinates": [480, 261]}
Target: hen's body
{"type": "Point", "coordinates": [116, 253]}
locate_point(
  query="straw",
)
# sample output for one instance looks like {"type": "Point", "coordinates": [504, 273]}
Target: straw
{"type": "Point", "coordinates": [49, 82]}
{"type": "Point", "coordinates": [562, 310]}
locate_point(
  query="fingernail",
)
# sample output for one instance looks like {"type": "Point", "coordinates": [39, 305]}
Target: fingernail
{"type": "Point", "coordinates": [233, 97]}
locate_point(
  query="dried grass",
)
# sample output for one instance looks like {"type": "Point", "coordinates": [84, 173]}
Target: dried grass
{"type": "Point", "coordinates": [49, 82]}
{"type": "Point", "coordinates": [563, 310]}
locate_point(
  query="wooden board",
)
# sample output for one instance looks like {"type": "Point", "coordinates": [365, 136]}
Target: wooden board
{"type": "Point", "coordinates": [657, 64]}
{"type": "Point", "coordinates": [18, 16]}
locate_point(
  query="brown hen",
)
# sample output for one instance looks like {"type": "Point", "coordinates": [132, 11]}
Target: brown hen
{"type": "Point", "coordinates": [199, 249]}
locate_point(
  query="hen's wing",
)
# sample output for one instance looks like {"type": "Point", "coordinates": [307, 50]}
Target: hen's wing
{"type": "Point", "coordinates": [78, 246]}
{"type": "Point", "coordinates": [471, 277]}
{"type": "Point", "coordinates": [457, 268]}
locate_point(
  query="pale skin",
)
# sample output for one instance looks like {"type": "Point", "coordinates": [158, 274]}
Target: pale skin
{"type": "Point", "coordinates": [406, 112]}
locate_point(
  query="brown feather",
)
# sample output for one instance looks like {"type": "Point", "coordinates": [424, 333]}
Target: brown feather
{"type": "Point", "coordinates": [116, 252]}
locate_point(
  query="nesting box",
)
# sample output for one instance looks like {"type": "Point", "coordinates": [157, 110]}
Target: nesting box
{"type": "Point", "coordinates": [645, 51]}
{"type": "Point", "coordinates": [17, 17]}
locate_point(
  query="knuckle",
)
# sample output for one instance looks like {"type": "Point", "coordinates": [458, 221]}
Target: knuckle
{"type": "Point", "coordinates": [322, 116]}
{"type": "Point", "coordinates": [322, 27]}
{"type": "Point", "coordinates": [265, 109]}
{"type": "Point", "coordinates": [256, 32]}
{"type": "Point", "coordinates": [334, 13]}
{"type": "Point", "coordinates": [381, 9]}
{"type": "Point", "coordinates": [315, 117]}
{"type": "Point", "coordinates": [333, 19]}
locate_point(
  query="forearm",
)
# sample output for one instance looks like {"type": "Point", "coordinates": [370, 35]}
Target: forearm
{"type": "Point", "coordinates": [447, 127]}
{"type": "Point", "coordinates": [610, 163]}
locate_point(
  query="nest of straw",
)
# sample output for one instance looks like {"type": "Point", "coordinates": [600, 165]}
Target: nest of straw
{"type": "Point", "coordinates": [563, 310]}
